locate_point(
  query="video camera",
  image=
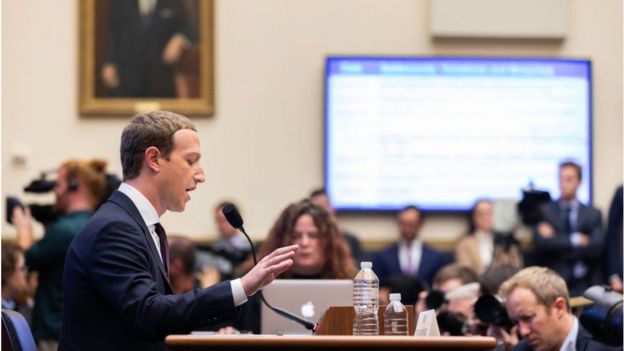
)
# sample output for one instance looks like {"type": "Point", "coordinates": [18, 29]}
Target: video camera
{"type": "Point", "coordinates": [529, 206]}
{"type": "Point", "coordinates": [604, 319]}
{"type": "Point", "coordinates": [46, 214]}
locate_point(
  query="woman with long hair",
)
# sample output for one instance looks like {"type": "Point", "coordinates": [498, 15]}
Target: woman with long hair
{"type": "Point", "coordinates": [323, 252]}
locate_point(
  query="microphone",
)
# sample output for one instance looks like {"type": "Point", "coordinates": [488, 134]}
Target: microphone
{"type": "Point", "coordinates": [234, 218]}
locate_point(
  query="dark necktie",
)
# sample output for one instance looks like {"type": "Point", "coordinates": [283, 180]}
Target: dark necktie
{"type": "Point", "coordinates": [164, 245]}
{"type": "Point", "coordinates": [567, 221]}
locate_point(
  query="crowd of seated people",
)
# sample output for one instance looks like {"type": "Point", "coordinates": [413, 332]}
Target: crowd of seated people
{"type": "Point", "coordinates": [568, 240]}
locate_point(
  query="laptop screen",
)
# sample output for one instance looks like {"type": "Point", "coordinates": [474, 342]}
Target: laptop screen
{"type": "Point", "coordinates": [307, 298]}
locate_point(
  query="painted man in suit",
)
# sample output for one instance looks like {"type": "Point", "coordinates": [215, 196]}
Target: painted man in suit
{"type": "Point", "coordinates": [116, 281]}
{"type": "Point", "coordinates": [145, 39]}
{"type": "Point", "coordinates": [410, 256]}
{"type": "Point", "coordinates": [537, 300]}
{"type": "Point", "coordinates": [569, 239]}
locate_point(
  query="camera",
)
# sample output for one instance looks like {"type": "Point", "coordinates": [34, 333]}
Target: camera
{"type": "Point", "coordinates": [489, 310]}
{"type": "Point", "coordinates": [43, 214]}
{"type": "Point", "coordinates": [453, 323]}
{"type": "Point", "coordinates": [604, 319]}
{"type": "Point", "coordinates": [529, 206]}
{"type": "Point", "coordinates": [46, 214]}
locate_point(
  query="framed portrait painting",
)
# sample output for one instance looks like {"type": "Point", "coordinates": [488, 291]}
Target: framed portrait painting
{"type": "Point", "coordinates": [140, 55]}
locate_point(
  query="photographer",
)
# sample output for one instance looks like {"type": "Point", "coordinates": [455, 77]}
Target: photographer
{"type": "Point", "coordinates": [490, 316]}
{"type": "Point", "coordinates": [454, 291]}
{"type": "Point", "coordinates": [537, 301]}
{"type": "Point", "coordinates": [78, 190]}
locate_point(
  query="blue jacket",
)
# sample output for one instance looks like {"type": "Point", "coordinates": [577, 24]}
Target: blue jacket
{"type": "Point", "coordinates": [386, 263]}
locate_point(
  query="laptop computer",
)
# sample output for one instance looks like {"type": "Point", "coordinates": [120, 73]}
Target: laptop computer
{"type": "Point", "coordinates": [307, 298]}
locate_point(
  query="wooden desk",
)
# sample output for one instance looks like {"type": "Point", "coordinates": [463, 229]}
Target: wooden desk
{"type": "Point", "coordinates": [322, 342]}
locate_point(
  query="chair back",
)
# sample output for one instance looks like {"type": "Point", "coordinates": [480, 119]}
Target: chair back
{"type": "Point", "coordinates": [16, 333]}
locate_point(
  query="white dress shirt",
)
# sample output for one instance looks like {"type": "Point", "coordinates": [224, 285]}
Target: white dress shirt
{"type": "Point", "coordinates": [569, 344]}
{"type": "Point", "coordinates": [486, 247]}
{"type": "Point", "coordinates": [146, 7]}
{"type": "Point", "coordinates": [409, 256]}
{"type": "Point", "coordinates": [150, 217]}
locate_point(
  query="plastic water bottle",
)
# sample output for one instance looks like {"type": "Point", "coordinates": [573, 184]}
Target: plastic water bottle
{"type": "Point", "coordinates": [395, 317]}
{"type": "Point", "coordinates": [366, 301]}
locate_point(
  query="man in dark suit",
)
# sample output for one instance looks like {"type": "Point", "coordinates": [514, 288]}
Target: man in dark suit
{"type": "Point", "coordinates": [569, 238]}
{"type": "Point", "coordinates": [410, 256]}
{"type": "Point", "coordinates": [145, 39]}
{"type": "Point", "coordinates": [116, 282]}
{"type": "Point", "coordinates": [537, 301]}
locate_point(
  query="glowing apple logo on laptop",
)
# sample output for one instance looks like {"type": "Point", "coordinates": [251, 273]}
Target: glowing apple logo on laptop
{"type": "Point", "coordinates": [307, 309]}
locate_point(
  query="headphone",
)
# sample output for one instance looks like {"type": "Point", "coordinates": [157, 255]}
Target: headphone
{"type": "Point", "coordinates": [72, 184]}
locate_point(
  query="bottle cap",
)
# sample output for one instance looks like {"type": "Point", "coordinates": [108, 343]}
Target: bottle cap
{"type": "Point", "coordinates": [366, 265]}
{"type": "Point", "coordinates": [395, 297]}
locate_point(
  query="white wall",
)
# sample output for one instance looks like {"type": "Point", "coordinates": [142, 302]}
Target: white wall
{"type": "Point", "coordinates": [263, 147]}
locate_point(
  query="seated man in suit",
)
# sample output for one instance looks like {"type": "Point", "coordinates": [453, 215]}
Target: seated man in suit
{"type": "Point", "coordinates": [116, 281]}
{"type": "Point", "coordinates": [569, 238]}
{"type": "Point", "coordinates": [537, 301]}
{"type": "Point", "coordinates": [410, 256]}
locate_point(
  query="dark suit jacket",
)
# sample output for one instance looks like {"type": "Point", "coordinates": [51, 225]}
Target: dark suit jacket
{"type": "Point", "coordinates": [135, 45]}
{"type": "Point", "coordinates": [116, 293]}
{"type": "Point", "coordinates": [584, 342]}
{"type": "Point", "coordinates": [560, 255]}
{"type": "Point", "coordinates": [613, 240]}
{"type": "Point", "coordinates": [386, 264]}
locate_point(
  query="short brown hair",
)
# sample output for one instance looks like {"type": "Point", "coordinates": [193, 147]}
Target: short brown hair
{"type": "Point", "coordinates": [455, 271]}
{"type": "Point", "coordinates": [91, 173]}
{"type": "Point", "coordinates": [572, 164]}
{"type": "Point", "coordinates": [145, 130]}
{"type": "Point", "coordinates": [184, 249]}
{"type": "Point", "coordinates": [543, 282]}
{"type": "Point", "coordinates": [10, 254]}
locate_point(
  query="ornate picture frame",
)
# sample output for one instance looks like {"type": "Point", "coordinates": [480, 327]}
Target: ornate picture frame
{"type": "Point", "coordinates": [188, 83]}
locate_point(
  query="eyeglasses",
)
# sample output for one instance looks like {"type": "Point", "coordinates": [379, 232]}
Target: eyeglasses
{"type": "Point", "coordinates": [22, 269]}
{"type": "Point", "coordinates": [299, 235]}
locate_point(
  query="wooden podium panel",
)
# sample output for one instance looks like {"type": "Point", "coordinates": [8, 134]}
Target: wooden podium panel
{"type": "Point", "coordinates": [322, 342]}
{"type": "Point", "coordinates": [338, 320]}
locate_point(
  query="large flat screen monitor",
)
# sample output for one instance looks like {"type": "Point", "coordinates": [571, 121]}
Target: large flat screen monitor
{"type": "Point", "coordinates": [441, 132]}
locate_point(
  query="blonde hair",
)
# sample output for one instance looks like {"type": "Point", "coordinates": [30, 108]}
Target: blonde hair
{"type": "Point", "coordinates": [91, 174]}
{"type": "Point", "coordinates": [543, 282]}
